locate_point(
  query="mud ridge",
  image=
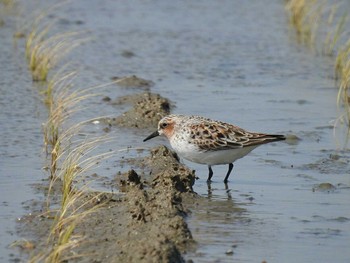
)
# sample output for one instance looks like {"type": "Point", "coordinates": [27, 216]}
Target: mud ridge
{"type": "Point", "coordinates": [157, 216]}
{"type": "Point", "coordinates": [144, 223]}
{"type": "Point", "coordinates": [146, 111]}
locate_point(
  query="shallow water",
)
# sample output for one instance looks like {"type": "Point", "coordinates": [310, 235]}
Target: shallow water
{"type": "Point", "coordinates": [234, 61]}
{"type": "Point", "coordinates": [21, 141]}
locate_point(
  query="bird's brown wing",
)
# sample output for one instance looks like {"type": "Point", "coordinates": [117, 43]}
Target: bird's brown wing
{"type": "Point", "coordinates": [214, 136]}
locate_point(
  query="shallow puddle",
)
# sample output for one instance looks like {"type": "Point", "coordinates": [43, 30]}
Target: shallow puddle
{"type": "Point", "coordinates": [234, 61]}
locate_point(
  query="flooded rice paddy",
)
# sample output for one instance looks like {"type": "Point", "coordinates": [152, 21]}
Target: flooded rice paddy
{"type": "Point", "coordinates": [234, 61]}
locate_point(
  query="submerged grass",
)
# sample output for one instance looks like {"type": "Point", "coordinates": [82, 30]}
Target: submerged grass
{"type": "Point", "coordinates": [7, 3]}
{"type": "Point", "coordinates": [77, 161]}
{"type": "Point", "coordinates": [342, 76]}
{"type": "Point", "coordinates": [44, 54]}
{"type": "Point", "coordinates": [306, 16]}
{"type": "Point", "coordinates": [59, 110]}
{"type": "Point", "coordinates": [335, 34]}
{"type": "Point", "coordinates": [44, 50]}
{"type": "Point", "coordinates": [342, 58]}
{"type": "Point", "coordinates": [69, 159]}
{"type": "Point", "coordinates": [63, 101]}
{"type": "Point", "coordinates": [343, 93]}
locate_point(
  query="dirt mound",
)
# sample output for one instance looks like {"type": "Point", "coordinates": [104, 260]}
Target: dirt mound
{"type": "Point", "coordinates": [146, 111]}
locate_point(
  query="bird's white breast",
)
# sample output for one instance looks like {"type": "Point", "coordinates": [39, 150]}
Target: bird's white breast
{"type": "Point", "coordinates": [191, 152]}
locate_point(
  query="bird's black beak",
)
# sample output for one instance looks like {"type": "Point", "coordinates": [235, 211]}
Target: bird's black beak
{"type": "Point", "coordinates": [155, 134]}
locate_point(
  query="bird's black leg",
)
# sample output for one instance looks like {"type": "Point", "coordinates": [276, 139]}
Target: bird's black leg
{"type": "Point", "coordinates": [230, 166]}
{"type": "Point", "coordinates": [210, 173]}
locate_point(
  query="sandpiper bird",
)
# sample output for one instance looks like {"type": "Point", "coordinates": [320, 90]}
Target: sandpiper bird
{"type": "Point", "coordinates": [210, 142]}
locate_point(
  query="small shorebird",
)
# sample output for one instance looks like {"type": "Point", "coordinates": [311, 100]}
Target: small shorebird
{"type": "Point", "coordinates": [210, 142]}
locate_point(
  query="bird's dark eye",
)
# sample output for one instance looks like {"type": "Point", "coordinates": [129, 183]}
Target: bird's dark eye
{"type": "Point", "coordinates": [163, 125]}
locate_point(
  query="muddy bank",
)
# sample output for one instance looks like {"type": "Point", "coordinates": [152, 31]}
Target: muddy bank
{"type": "Point", "coordinates": [144, 223]}
{"type": "Point", "coordinates": [146, 110]}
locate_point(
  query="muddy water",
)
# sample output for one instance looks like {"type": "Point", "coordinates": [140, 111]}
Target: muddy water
{"type": "Point", "coordinates": [234, 61]}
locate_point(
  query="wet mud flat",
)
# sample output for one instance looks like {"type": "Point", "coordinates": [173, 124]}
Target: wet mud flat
{"type": "Point", "coordinates": [145, 222]}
